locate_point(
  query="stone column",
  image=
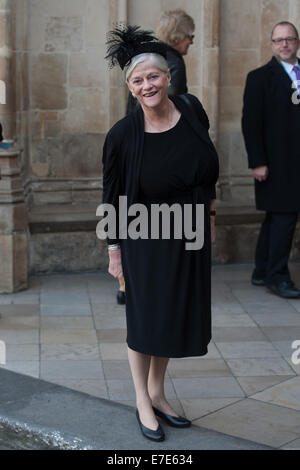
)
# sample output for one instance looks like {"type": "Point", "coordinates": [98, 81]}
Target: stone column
{"type": "Point", "coordinates": [239, 44]}
{"type": "Point", "coordinates": [7, 117]}
{"type": "Point", "coordinates": [210, 63]}
{"type": "Point", "coordinates": [122, 11]}
{"type": "Point", "coordinates": [13, 225]}
{"type": "Point", "coordinates": [118, 89]}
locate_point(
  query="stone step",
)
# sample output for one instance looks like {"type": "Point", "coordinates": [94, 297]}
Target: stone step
{"type": "Point", "coordinates": [63, 418]}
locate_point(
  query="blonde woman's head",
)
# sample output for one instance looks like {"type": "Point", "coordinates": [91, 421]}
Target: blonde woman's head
{"type": "Point", "coordinates": [176, 28]}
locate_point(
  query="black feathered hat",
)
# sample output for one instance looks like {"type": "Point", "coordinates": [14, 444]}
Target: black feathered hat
{"type": "Point", "coordinates": [125, 42]}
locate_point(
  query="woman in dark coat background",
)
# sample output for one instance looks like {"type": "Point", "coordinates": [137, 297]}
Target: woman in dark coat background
{"type": "Point", "coordinates": [161, 153]}
{"type": "Point", "coordinates": [176, 28]}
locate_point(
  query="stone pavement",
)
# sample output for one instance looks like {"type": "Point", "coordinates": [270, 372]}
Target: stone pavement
{"type": "Point", "coordinates": [67, 329]}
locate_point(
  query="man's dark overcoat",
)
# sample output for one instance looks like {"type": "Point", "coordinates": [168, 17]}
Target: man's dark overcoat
{"type": "Point", "coordinates": [271, 128]}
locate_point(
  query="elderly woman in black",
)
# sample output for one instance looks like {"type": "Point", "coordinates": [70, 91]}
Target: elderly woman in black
{"type": "Point", "coordinates": [160, 154]}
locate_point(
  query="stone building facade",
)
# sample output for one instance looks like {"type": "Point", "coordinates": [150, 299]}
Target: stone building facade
{"type": "Point", "coordinates": [62, 99]}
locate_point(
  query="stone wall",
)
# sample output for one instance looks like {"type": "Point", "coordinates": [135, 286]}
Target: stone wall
{"type": "Point", "coordinates": [68, 99]}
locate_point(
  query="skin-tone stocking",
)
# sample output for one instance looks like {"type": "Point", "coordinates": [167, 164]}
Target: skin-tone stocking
{"type": "Point", "coordinates": [140, 365]}
{"type": "Point", "coordinates": [148, 373]}
{"type": "Point", "coordinates": [122, 284]}
{"type": "Point", "coordinates": [157, 372]}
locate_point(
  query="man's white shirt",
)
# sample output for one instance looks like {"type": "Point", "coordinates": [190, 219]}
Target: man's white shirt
{"type": "Point", "coordinates": [289, 69]}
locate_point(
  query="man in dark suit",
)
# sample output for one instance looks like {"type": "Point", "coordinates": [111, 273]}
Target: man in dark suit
{"type": "Point", "coordinates": [271, 129]}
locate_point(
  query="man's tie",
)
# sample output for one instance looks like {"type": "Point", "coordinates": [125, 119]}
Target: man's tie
{"type": "Point", "coordinates": [297, 72]}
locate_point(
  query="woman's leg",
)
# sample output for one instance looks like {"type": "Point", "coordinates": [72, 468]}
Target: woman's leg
{"type": "Point", "coordinates": [140, 365]}
{"type": "Point", "coordinates": [121, 296]}
{"type": "Point", "coordinates": [157, 372]}
{"type": "Point", "coordinates": [122, 284]}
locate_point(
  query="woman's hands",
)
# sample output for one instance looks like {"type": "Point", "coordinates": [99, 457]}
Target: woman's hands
{"type": "Point", "coordinates": [261, 173]}
{"type": "Point", "coordinates": [115, 263]}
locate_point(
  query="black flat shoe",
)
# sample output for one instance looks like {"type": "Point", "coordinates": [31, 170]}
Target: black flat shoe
{"type": "Point", "coordinates": [285, 289]}
{"type": "Point", "coordinates": [175, 422]}
{"type": "Point", "coordinates": [257, 282]}
{"type": "Point", "coordinates": [157, 435]}
{"type": "Point", "coordinates": [121, 297]}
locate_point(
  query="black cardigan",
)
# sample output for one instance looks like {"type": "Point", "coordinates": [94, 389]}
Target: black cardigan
{"type": "Point", "coordinates": [123, 149]}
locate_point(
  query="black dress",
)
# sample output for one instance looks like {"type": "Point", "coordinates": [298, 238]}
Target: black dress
{"type": "Point", "coordinates": [168, 289]}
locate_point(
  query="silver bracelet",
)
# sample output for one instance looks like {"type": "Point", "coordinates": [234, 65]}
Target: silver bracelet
{"type": "Point", "coordinates": [113, 247]}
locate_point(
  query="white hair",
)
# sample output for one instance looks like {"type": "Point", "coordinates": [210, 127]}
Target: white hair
{"type": "Point", "coordinates": [158, 60]}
